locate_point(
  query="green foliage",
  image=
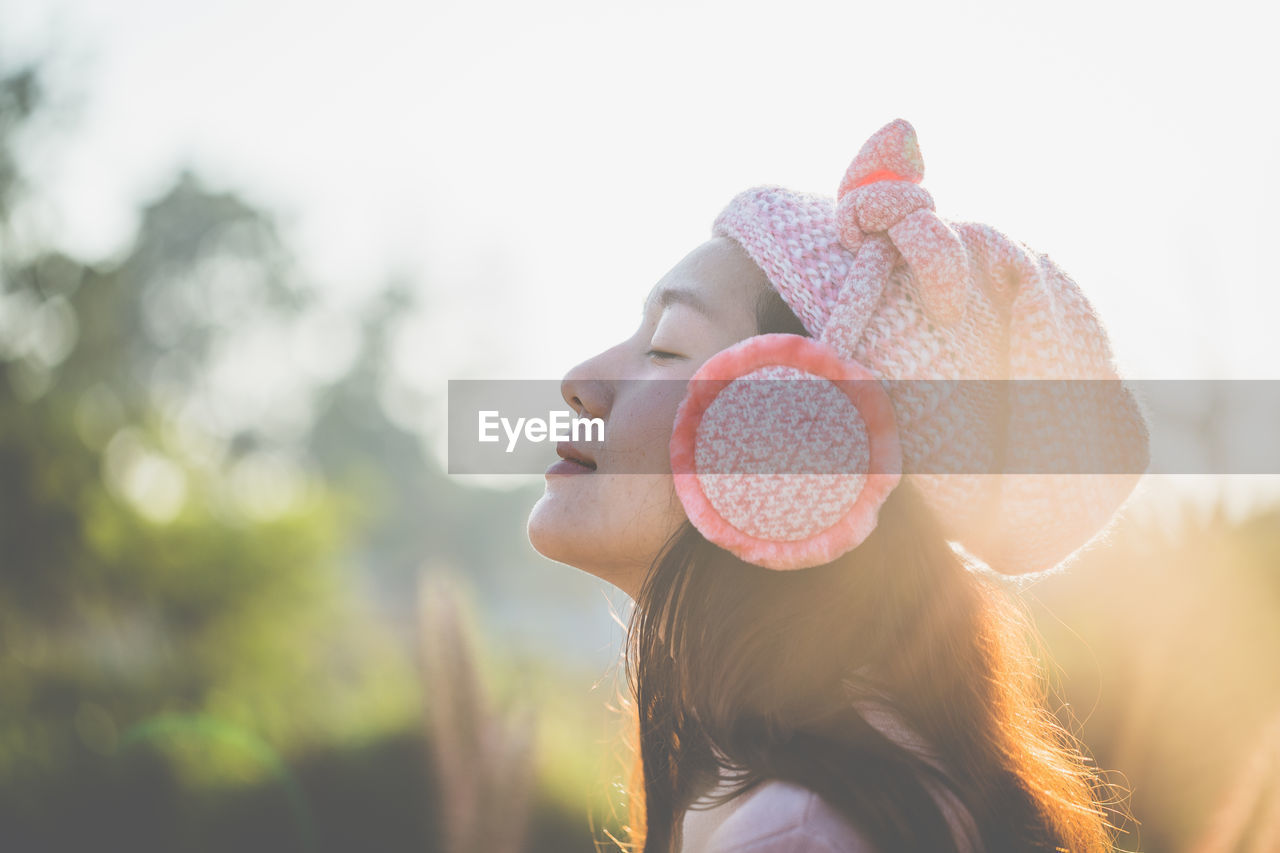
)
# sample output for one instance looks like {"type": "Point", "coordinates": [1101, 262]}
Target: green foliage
{"type": "Point", "coordinates": [211, 611]}
{"type": "Point", "coordinates": [190, 658]}
{"type": "Point", "coordinates": [150, 599]}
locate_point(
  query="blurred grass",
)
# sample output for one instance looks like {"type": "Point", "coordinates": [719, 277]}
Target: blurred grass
{"type": "Point", "coordinates": [1166, 641]}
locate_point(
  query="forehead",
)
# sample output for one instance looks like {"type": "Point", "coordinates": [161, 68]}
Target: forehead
{"type": "Point", "coordinates": [718, 278]}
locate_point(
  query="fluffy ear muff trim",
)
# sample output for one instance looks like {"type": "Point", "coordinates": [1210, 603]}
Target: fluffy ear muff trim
{"type": "Point", "coordinates": [784, 474]}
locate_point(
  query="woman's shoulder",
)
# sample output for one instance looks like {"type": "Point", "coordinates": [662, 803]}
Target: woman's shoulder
{"type": "Point", "coordinates": [781, 816]}
{"type": "Point", "coordinates": [784, 817]}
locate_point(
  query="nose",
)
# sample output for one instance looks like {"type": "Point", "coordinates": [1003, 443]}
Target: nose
{"type": "Point", "coordinates": [584, 390]}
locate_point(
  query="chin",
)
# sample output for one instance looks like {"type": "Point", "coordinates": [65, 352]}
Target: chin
{"type": "Point", "coordinates": [563, 540]}
{"type": "Point", "coordinates": [550, 533]}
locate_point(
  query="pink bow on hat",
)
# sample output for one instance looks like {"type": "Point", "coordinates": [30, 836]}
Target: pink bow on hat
{"type": "Point", "coordinates": [881, 193]}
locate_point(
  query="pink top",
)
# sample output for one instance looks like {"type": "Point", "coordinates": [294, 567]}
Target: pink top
{"type": "Point", "coordinates": [783, 817]}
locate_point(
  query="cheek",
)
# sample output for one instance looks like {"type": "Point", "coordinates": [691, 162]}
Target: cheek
{"type": "Point", "coordinates": [637, 513]}
{"type": "Point", "coordinates": [638, 436]}
{"type": "Point", "coordinates": [642, 498]}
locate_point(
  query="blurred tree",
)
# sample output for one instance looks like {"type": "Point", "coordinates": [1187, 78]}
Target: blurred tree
{"type": "Point", "coordinates": [413, 511]}
{"type": "Point", "coordinates": [148, 574]}
{"type": "Point", "coordinates": [177, 610]}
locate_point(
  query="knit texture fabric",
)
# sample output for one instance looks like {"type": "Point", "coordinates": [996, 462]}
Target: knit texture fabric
{"type": "Point", "coordinates": [878, 276]}
{"type": "Point", "coordinates": [783, 451]}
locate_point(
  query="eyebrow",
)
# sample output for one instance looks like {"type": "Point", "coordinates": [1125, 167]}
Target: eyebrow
{"type": "Point", "coordinates": [674, 295]}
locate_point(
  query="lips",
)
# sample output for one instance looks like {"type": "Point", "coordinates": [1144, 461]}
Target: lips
{"type": "Point", "coordinates": [569, 453]}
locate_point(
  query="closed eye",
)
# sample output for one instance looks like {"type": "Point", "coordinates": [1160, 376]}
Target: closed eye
{"type": "Point", "coordinates": [662, 354]}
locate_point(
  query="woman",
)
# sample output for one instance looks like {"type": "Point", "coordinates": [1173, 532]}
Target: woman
{"type": "Point", "coordinates": [814, 666]}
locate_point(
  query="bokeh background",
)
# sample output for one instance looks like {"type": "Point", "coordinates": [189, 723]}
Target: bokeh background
{"type": "Point", "coordinates": [244, 245]}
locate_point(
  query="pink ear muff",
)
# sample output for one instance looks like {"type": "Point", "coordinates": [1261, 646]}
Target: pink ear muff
{"type": "Point", "coordinates": [783, 452]}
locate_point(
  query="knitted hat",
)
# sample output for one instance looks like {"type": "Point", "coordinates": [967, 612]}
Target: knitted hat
{"type": "Point", "coordinates": [890, 291]}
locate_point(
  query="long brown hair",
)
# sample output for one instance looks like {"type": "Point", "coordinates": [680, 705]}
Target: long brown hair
{"type": "Point", "coordinates": [761, 665]}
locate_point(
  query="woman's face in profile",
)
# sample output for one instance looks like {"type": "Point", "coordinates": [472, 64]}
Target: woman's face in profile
{"type": "Point", "coordinates": [612, 522]}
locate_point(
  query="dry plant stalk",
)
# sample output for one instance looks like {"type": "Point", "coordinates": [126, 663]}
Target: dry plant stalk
{"type": "Point", "coordinates": [483, 761]}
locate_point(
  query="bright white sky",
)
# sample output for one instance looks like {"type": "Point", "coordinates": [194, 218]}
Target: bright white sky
{"type": "Point", "coordinates": [538, 166]}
